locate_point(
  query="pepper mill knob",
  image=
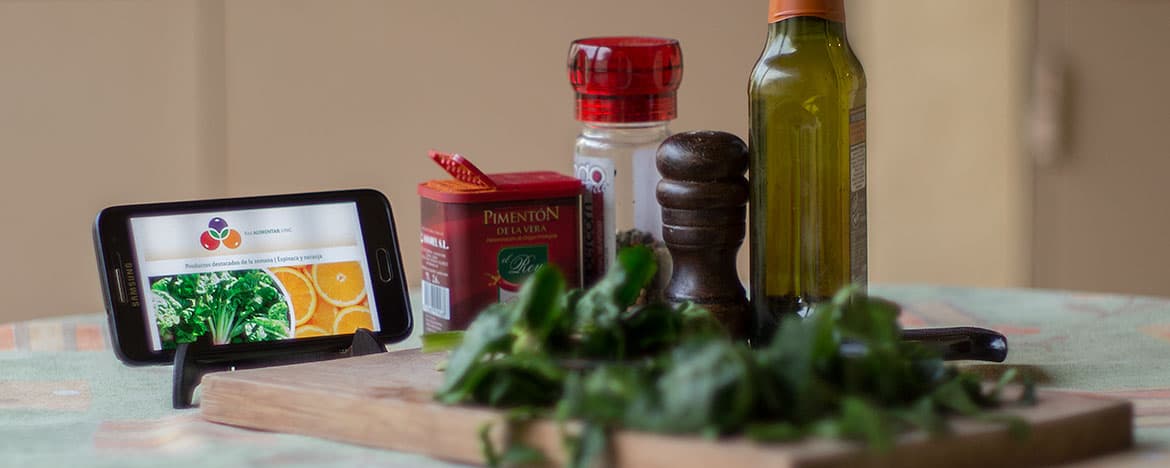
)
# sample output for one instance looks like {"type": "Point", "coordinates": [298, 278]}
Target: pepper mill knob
{"type": "Point", "coordinates": [704, 195]}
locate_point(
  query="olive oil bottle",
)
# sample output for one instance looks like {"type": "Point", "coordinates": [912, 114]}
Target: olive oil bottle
{"type": "Point", "coordinates": [807, 146]}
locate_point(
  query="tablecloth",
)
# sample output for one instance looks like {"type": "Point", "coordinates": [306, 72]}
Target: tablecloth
{"type": "Point", "coordinates": [65, 400]}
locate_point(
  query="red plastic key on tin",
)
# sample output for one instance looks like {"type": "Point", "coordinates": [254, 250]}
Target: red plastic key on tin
{"type": "Point", "coordinates": [462, 169]}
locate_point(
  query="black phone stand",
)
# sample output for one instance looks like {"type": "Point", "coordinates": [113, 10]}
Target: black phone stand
{"type": "Point", "coordinates": [194, 360]}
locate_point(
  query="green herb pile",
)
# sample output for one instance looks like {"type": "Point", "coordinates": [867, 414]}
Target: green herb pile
{"type": "Point", "coordinates": [231, 306]}
{"type": "Point", "coordinates": [595, 357]}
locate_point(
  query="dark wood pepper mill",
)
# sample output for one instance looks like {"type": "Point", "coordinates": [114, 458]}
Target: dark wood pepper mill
{"type": "Point", "coordinates": [704, 198]}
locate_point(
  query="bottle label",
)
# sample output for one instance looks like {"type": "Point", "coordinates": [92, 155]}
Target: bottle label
{"type": "Point", "coordinates": [858, 238]}
{"type": "Point", "coordinates": [598, 223]}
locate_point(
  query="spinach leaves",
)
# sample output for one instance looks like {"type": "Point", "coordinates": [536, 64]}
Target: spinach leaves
{"type": "Point", "coordinates": [596, 357]}
{"type": "Point", "coordinates": [231, 306]}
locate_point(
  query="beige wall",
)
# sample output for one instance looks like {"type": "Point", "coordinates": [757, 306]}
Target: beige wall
{"type": "Point", "coordinates": [1100, 196]}
{"type": "Point", "coordinates": [97, 106]}
{"type": "Point", "coordinates": [949, 182]}
{"type": "Point", "coordinates": [105, 102]}
{"type": "Point", "coordinates": [336, 94]}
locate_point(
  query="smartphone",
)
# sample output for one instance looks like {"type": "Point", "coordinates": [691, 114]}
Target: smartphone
{"type": "Point", "coordinates": [268, 273]}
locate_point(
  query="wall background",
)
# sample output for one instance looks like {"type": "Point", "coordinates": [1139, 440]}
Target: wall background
{"type": "Point", "coordinates": [122, 101]}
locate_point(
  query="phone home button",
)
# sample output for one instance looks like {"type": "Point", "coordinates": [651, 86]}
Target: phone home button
{"type": "Point", "coordinates": [384, 270]}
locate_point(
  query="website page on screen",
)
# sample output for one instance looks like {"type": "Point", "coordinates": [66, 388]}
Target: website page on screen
{"type": "Point", "coordinates": [254, 275]}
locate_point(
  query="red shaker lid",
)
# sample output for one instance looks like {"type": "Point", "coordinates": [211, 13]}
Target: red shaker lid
{"type": "Point", "coordinates": [625, 79]}
{"type": "Point", "coordinates": [471, 185]}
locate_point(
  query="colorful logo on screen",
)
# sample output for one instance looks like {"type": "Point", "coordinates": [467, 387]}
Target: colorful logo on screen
{"type": "Point", "coordinates": [218, 233]}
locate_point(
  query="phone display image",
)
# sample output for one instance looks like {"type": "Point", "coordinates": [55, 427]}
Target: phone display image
{"type": "Point", "coordinates": [327, 299]}
{"type": "Point", "coordinates": [230, 306]}
{"type": "Point", "coordinates": [253, 275]}
{"type": "Point", "coordinates": [261, 304]}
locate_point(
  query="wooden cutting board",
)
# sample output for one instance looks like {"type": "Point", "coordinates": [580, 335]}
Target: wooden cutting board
{"type": "Point", "coordinates": [385, 401]}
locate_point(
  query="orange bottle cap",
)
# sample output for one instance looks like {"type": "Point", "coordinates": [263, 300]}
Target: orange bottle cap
{"type": "Point", "coordinates": [832, 10]}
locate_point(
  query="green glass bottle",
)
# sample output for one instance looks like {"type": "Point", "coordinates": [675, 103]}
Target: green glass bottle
{"type": "Point", "coordinates": [807, 145]}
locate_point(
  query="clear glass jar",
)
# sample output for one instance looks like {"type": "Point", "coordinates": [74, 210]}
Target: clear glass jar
{"type": "Point", "coordinates": [616, 162]}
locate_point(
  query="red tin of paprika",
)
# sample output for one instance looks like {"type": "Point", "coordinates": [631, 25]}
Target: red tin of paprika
{"type": "Point", "coordinates": [482, 235]}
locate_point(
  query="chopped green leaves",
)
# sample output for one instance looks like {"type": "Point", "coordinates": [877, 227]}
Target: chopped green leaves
{"type": "Point", "coordinates": [441, 341]}
{"type": "Point", "coordinates": [488, 334]}
{"type": "Point", "coordinates": [596, 357]}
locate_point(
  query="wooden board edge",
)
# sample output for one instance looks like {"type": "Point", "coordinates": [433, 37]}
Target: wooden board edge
{"type": "Point", "coordinates": [1075, 438]}
{"type": "Point", "coordinates": [1107, 428]}
{"type": "Point", "coordinates": [451, 433]}
{"type": "Point", "coordinates": [222, 403]}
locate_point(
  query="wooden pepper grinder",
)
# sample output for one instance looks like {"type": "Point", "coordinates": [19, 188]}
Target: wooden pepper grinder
{"type": "Point", "coordinates": [704, 198]}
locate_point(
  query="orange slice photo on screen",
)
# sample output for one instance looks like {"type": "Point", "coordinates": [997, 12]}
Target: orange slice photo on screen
{"type": "Point", "coordinates": [300, 291]}
{"type": "Point", "coordinates": [311, 330]}
{"type": "Point", "coordinates": [350, 319]}
{"type": "Point", "coordinates": [340, 284]}
{"type": "Point", "coordinates": [324, 315]}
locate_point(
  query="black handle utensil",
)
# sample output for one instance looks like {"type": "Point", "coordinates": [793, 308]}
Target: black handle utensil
{"type": "Point", "coordinates": [961, 343]}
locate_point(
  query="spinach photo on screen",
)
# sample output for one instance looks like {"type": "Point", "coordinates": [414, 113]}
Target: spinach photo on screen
{"type": "Point", "coordinates": [232, 306]}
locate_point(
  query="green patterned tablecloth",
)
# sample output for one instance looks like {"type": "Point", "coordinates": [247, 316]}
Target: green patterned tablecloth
{"type": "Point", "coordinates": [65, 400]}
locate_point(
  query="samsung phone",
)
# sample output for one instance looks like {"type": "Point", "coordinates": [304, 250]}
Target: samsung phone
{"type": "Point", "coordinates": [294, 272]}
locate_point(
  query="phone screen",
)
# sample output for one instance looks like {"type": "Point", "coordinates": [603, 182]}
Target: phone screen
{"type": "Point", "coordinates": [242, 276]}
